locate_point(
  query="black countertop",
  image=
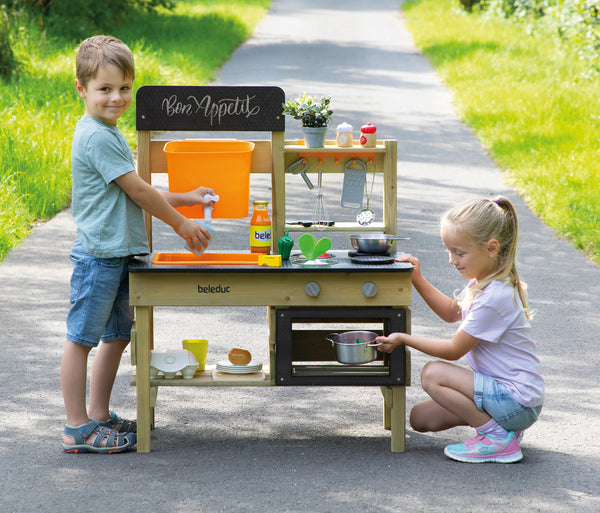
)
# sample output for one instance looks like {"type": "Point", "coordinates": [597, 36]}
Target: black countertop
{"type": "Point", "coordinates": [343, 263]}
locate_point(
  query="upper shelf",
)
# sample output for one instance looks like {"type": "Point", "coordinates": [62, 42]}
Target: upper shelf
{"type": "Point", "coordinates": [331, 148]}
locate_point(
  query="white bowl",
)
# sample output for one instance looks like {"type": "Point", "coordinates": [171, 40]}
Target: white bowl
{"type": "Point", "coordinates": [172, 362]}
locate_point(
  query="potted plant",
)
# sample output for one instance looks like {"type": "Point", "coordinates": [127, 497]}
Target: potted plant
{"type": "Point", "coordinates": [314, 113]}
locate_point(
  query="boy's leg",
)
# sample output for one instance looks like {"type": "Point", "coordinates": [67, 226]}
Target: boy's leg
{"type": "Point", "coordinates": [73, 380]}
{"type": "Point", "coordinates": [73, 377]}
{"type": "Point", "coordinates": [104, 370]}
{"type": "Point", "coordinates": [451, 387]}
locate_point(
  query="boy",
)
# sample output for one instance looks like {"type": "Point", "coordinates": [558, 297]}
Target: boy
{"type": "Point", "coordinates": [108, 198]}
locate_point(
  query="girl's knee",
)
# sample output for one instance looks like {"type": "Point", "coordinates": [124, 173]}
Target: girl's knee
{"type": "Point", "coordinates": [430, 374]}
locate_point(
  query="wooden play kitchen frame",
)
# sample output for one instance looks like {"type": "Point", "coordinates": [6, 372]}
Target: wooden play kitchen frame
{"type": "Point", "coordinates": [293, 295]}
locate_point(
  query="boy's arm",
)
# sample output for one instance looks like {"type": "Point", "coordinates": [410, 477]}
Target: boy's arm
{"type": "Point", "coordinates": [153, 202]}
{"type": "Point", "coordinates": [189, 199]}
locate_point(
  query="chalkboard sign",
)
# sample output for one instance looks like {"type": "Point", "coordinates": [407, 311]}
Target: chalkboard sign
{"type": "Point", "coordinates": [210, 108]}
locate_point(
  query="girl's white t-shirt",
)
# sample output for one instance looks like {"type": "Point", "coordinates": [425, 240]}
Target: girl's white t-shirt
{"type": "Point", "coordinates": [506, 351]}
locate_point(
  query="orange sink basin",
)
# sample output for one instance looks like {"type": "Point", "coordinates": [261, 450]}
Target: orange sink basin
{"type": "Point", "coordinates": [217, 259]}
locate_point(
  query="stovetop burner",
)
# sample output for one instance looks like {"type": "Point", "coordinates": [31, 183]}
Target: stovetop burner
{"type": "Point", "coordinates": [357, 257]}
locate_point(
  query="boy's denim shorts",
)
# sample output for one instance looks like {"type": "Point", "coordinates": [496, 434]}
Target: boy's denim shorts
{"type": "Point", "coordinates": [492, 397]}
{"type": "Point", "coordinates": [99, 299]}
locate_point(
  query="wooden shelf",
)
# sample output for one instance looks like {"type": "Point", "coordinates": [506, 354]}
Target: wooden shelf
{"type": "Point", "coordinates": [348, 227]}
{"type": "Point", "coordinates": [330, 147]}
{"type": "Point", "coordinates": [205, 379]}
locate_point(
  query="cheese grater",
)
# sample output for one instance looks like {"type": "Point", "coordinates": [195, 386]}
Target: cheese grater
{"type": "Point", "coordinates": [354, 184]}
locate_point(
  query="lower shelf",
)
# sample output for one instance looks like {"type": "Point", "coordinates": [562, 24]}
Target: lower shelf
{"type": "Point", "coordinates": [340, 370]}
{"type": "Point", "coordinates": [209, 377]}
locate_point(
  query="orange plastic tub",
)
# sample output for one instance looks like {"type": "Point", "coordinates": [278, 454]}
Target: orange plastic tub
{"type": "Point", "coordinates": [222, 165]}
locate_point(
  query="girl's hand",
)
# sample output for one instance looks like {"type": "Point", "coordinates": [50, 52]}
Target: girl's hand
{"type": "Point", "coordinates": [389, 343]}
{"type": "Point", "coordinates": [416, 272]}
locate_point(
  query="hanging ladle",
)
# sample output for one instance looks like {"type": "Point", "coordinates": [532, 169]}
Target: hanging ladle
{"type": "Point", "coordinates": [367, 215]}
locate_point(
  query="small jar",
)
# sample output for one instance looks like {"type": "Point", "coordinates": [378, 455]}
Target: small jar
{"type": "Point", "coordinates": [344, 135]}
{"type": "Point", "coordinates": [368, 139]}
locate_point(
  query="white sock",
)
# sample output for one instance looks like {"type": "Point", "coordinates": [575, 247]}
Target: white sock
{"type": "Point", "coordinates": [493, 429]}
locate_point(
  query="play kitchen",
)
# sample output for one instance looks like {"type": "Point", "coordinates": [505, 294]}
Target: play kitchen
{"type": "Point", "coordinates": [309, 287]}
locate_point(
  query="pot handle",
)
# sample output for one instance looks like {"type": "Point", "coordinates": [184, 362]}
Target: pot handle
{"type": "Point", "coordinates": [329, 340]}
{"type": "Point", "coordinates": [375, 345]}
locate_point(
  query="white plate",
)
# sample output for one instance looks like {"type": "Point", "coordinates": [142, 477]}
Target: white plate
{"type": "Point", "coordinates": [245, 370]}
{"type": "Point", "coordinates": [241, 371]}
{"type": "Point", "coordinates": [227, 366]}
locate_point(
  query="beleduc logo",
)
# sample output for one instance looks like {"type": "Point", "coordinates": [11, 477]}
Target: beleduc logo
{"type": "Point", "coordinates": [213, 289]}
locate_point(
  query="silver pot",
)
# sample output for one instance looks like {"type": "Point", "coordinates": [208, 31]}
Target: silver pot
{"type": "Point", "coordinates": [348, 351]}
{"type": "Point", "coordinates": [375, 243]}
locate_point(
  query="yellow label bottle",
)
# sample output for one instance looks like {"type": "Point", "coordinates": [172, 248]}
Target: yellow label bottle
{"type": "Point", "coordinates": [260, 228]}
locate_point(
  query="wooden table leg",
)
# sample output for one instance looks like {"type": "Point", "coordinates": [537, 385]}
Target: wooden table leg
{"type": "Point", "coordinates": [394, 416]}
{"type": "Point", "coordinates": [142, 377]}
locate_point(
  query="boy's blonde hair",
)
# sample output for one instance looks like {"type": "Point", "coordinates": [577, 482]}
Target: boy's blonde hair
{"type": "Point", "coordinates": [99, 51]}
{"type": "Point", "coordinates": [483, 220]}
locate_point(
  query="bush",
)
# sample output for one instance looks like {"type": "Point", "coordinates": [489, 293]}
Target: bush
{"type": "Point", "coordinates": [8, 63]}
{"type": "Point", "coordinates": [577, 22]}
{"type": "Point", "coordinates": [78, 19]}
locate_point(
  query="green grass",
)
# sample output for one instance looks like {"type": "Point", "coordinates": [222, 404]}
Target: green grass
{"type": "Point", "coordinates": [38, 111]}
{"type": "Point", "coordinates": [525, 98]}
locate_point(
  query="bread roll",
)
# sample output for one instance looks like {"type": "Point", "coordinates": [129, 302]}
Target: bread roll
{"type": "Point", "coordinates": [239, 356]}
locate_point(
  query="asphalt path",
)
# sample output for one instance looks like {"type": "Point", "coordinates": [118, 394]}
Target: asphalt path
{"type": "Point", "coordinates": [311, 449]}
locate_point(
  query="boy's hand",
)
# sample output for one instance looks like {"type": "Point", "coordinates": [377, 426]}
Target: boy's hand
{"type": "Point", "coordinates": [196, 197]}
{"type": "Point", "coordinates": [389, 343]}
{"type": "Point", "coordinates": [190, 198]}
{"type": "Point", "coordinates": [196, 235]}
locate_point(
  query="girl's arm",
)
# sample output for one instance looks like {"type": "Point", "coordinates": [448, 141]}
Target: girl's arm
{"type": "Point", "coordinates": [460, 344]}
{"type": "Point", "coordinates": [446, 308]}
{"type": "Point", "coordinates": [153, 202]}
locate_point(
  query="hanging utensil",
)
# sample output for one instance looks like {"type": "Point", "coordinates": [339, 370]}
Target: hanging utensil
{"type": "Point", "coordinates": [354, 184]}
{"type": "Point", "coordinates": [320, 217]}
{"type": "Point", "coordinates": [366, 216]}
{"type": "Point", "coordinates": [299, 168]}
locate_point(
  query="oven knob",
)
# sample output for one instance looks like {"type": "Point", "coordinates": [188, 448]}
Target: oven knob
{"type": "Point", "coordinates": [312, 288]}
{"type": "Point", "coordinates": [369, 289]}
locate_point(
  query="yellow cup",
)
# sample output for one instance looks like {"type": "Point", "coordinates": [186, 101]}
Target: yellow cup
{"type": "Point", "coordinates": [198, 348]}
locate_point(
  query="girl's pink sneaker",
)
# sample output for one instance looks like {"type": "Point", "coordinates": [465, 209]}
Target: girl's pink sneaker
{"type": "Point", "coordinates": [482, 448]}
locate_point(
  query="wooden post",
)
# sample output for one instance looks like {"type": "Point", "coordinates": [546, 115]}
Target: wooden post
{"type": "Point", "coordinates": [394, 415]}
{"type": "Point", "coordinates": [390, 177]}
{"type": "Point", "coordinates": [144, 170]}
{"type": "Point", "coordinates": [277, 189]}
{"type": "Point", "coordinates": [142, 378]}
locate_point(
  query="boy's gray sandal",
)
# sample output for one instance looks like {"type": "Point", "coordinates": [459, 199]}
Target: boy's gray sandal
{"type": "Point", "coordinates": [120, 424]}
{"type": "Point", "coordinates": [80, 434]}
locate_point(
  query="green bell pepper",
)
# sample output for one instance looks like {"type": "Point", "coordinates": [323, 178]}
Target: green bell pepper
{"type": "Point", "coordinates": [285, 244]}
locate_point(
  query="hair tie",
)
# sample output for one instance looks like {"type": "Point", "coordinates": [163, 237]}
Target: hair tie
{"type": "Point", "coordinates": [497, 202]}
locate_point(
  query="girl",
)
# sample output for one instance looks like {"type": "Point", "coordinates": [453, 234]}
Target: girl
{"type": "Point", "coordinates": [503, 393]}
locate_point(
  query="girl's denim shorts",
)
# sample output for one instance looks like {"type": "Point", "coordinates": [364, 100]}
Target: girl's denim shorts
{"type": "Point", "coordinates": [99, 299]}
{"type": "Point", "coordinates": [492, 397]}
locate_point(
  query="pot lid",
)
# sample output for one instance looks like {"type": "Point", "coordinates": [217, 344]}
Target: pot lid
{"type": "Point", "coordinates": [368, 129]}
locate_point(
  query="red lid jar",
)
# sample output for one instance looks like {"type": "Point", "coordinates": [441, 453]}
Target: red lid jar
{"type": "Point", "coordinates": [368, 139]}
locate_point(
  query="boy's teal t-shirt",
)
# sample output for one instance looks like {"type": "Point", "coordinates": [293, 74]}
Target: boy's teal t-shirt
{"type": "Point", "coordinates": [109, 223]}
